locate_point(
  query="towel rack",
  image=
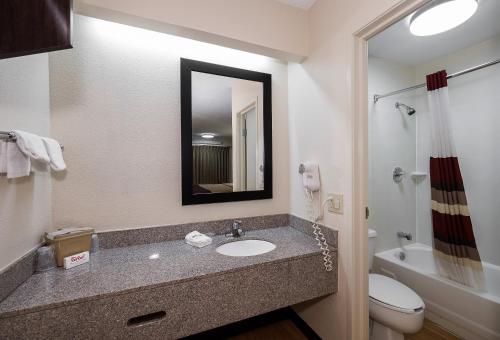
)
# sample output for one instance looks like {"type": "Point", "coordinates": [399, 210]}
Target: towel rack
{"type": "Point", "coordinates": [11, 137]}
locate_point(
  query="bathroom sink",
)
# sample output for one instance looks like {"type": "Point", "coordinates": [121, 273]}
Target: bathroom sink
{"type": "Point", "coordinates": [245, 248]}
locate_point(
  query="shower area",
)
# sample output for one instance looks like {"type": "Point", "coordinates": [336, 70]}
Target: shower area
{"type": "Point", "coordinates": [402, 193]}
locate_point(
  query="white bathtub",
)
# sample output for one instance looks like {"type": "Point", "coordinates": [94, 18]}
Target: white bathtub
{"type": "Point", "coordinates": [465, 311]}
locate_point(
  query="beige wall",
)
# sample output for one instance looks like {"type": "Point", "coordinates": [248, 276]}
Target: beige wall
{"type": "Point", "coordinates": [320, 101]}
{"type": "Point", "coordinates": [25, 203]}
{"type": "Point", "coordinates": [259, 26]}
{"type": "Point", "coordinates": [115, 102]}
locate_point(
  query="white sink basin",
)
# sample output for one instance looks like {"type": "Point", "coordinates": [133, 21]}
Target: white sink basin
{"type": "Point", "coordinates": [245, 248]}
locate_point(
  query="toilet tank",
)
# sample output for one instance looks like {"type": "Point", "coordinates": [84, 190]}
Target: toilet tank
{"type": "Point", "coordinates": [372, 237]}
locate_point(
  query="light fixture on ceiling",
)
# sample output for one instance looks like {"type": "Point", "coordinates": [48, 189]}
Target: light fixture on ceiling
{"type": "Point", "coordinates": [441, 15]}
{"type": "Point", "coordinates": [207, 135]}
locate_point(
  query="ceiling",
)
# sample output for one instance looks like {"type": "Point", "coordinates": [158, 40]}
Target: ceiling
{"type": "Point", "coordinates": [213, 98]}
{"type": "Point", "coordinates": [211, 104]}
{"type": "Point", "coordinates": [396, 43]}
{"type": "Point", "coordinates": [303, 4]}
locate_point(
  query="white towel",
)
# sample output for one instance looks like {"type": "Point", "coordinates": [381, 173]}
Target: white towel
{"type": "Point", "coordinates": [55, 154]}
{"type": "Point", "coordinates": [197, 239]}
{"type": "Point", "coordinates": [3, 157]}
{"type": "Point", "coordinates": [18, 164]}
{"type": "Point", "coordinates": [32, 146]}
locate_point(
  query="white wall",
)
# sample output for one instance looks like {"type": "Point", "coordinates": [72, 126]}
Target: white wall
{"type": "Point", "coordinates": [115, 101]}
{"type": "Point", "coordinates": [244, 94]}
{"type": "Point", "coordinates": [25, 203]}
{"type": "Point", "coordinates": [392, 143]}
{"type": "Point", "coordinates": [258, 26]}
{"type": "Point", "coordinates": [475, 123]}
{"type": "Point", "coordinates": [320, 100]}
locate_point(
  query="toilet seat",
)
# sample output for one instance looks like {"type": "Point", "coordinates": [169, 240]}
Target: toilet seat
{"type": "Point", "coordinates": [391, 294]}
{"type": "Point", "coordinates": [395, 308]}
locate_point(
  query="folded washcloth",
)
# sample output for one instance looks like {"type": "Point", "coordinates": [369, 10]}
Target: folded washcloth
{"type": "Point", "coordinates": [3, 157]}
{"type": "Point", "coordinates": [198, 243]}
{"type": "Point", "coordinates": [18, 164]}
{"type": "Point", "coordinates": [32, 146]}
{"type": "Point", "coordinates": [55, 154]}
{"type": "Point", "coordinates": [197, 239]}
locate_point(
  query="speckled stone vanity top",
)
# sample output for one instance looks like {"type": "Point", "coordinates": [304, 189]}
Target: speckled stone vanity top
{"type": "Point", "coordinates": [124, 270]}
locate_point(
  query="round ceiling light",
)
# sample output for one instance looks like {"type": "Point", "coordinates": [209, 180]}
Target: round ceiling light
{"type": "Point", "coordinates": [207, 135]}
{"type": "Point", "coordinates": [441, 15]}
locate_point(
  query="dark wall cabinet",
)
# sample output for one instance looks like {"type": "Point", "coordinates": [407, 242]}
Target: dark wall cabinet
{"type": "Point", "coordinates": [34, 26]}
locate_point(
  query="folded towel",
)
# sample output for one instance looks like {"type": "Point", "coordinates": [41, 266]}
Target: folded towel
{"type": "Point", "coordinates": [55, 154]}
{"type": "Point", "coordinates": [18, 164]}
{"type": "Point", "coordinates": [198, 239]}
{"type": "Point", "coordinates": [199, 244]}
{"type": "Point", "coordinates": [32, 146]}
{"type": "Point", "coordinates": [3, 157]}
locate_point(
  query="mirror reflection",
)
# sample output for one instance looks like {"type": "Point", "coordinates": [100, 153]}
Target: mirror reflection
{"type": "Point", "coordinates": [227, 134]}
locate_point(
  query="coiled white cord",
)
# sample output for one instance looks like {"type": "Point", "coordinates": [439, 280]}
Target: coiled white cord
{"type": "Point", "coordinates": [318, 234]}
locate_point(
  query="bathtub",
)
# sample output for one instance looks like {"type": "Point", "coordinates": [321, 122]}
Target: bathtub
{"type": "Point", "coordinates": [467, 312]}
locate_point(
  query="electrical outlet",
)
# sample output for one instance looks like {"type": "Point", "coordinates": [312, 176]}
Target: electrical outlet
{"type": "Point", "coordinates": [336, 203]}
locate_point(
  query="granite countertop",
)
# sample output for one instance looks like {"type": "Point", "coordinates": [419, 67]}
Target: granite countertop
{"type": "Point", "coordinates": [128, 269]}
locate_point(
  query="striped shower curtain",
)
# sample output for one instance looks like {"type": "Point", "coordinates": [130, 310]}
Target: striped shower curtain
{"type": "Point", "coordinates": [455, 250]}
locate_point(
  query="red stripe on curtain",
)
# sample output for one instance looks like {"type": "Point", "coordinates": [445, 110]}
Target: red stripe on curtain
{"type": "Point", "coordinates": [437, 80]}
{"type": "Point", "coordinates": [453, 229]}
{"type": "Point", "coordinates": [445, 174]}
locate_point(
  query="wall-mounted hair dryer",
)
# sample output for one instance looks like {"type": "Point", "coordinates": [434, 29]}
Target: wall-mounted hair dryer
{"type": "Point", "coordinates": [311, 182]}
{"type": "Point", "coordinates": [310, 176]}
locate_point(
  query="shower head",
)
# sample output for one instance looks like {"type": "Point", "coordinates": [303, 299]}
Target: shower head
{"type": "Point", "coordinates": [409, 110]}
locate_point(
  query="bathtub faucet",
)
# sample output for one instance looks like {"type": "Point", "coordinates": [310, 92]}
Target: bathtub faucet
{"type": "Point", "coordinates": [402, 234]}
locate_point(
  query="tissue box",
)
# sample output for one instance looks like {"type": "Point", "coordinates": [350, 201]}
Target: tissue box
{"type": "Point", "coordinates": [69, 241]}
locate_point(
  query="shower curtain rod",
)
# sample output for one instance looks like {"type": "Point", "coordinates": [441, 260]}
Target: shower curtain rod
{"type": "Point", "coordinates": [454, 75]}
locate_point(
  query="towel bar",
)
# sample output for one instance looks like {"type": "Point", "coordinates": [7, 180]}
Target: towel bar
{"type": "Point", "coordinates": [11, 137]}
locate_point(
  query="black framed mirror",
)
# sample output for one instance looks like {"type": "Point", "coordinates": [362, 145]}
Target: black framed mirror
{"type": "Point", "coordinates": [226, 122]}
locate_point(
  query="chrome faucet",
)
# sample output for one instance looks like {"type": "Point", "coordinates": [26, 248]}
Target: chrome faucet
{"type": "Point", "coordinates": [402, 234]}
{"type": "Point", "coordinates": [236, 230]}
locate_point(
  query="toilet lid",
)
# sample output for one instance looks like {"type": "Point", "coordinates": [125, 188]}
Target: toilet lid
{"type": "Point", "coordinates": [393, 293]}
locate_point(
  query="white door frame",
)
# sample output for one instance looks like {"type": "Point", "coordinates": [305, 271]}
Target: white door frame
{"type": "Point", "coordinates": [359, 109]}
{"type": "Point", "coordinates": [241, 180]}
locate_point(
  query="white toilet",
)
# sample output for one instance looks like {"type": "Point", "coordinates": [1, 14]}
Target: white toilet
{"type": "Point", "coordinates": [395, 309]}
